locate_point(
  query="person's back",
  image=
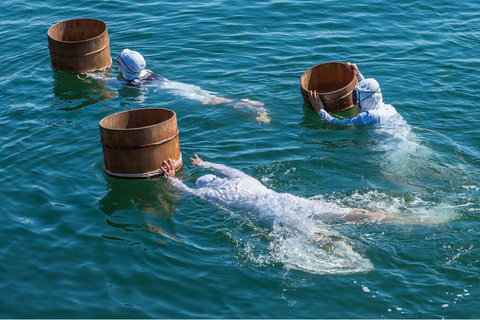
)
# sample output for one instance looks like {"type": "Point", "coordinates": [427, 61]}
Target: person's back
{"type": "Point", "coordinates": [241, 191]}
{"type": "Point", "coordinates": [236, 189]}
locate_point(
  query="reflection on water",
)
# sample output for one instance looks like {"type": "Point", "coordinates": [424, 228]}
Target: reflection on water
{"type": "Point", "coordinates": [125, 198]}
{"type": "Point", "coordinates": [147, 196]}
{"type": "Point", "coordinates": [73, 93]}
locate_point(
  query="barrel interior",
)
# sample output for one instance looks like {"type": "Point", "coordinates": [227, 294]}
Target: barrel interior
{"type": "Point", "coordinates": [327, 77]}
{"type": "Point", "coordinates": [135, 119]}
{"type": "Point", "coordinates": [77, 30]}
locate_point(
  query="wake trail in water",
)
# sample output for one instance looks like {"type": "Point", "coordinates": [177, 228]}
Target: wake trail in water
{"type": "Point", "coordinates": [299, 236]}
{"type": "Point", "coordinates": [406, 162]}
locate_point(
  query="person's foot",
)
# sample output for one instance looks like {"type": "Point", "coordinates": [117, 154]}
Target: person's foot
{"type": "Point", "coordinates": [362, 215]}
{"type": "Point", "coordinates": [218, 100]}
{"type": "Point", "coordinates": [251, 103]}
{"type": "Point", "coordinates": [262, 116]}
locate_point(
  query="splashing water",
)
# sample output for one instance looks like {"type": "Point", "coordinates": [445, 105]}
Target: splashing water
{"type": "Point", "coordinates": [298, 237]}
{"type": "Point", "coordinates": [402, 155]}
{"type": "Point", "coordinates": [406, 162]}
{"type": "Point", "coordinates": [301, 235]}
{"type": "Point", "coordinates": [314, 247]}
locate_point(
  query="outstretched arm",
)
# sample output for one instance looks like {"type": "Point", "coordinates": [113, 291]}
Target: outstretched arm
{"type": "Point", "coordinates": [229, 172]}
{"type": "Point", "coordinates": [363, 118]}
{"type": "Point", "coordinates": [168, 168]}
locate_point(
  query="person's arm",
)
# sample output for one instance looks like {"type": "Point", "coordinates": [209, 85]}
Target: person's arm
{"type": "Point", "coordinates": [181, 186]}
{"type": "Point", "coordinates": [363, 118]}
{"type": "Point", "coordinates": [229, 172]}
{"type": "Point", "coordinates": [168, 169]}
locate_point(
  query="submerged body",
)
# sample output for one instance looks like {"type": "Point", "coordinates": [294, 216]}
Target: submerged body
{"type": "Point", "coordinates": [301, 236]}
{"type": "Point", "coordinates": [240, 191]}
{"type": "Point", "coordinates": [132, 66]}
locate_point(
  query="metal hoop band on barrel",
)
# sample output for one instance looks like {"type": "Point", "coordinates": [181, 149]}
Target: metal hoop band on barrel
{"type": "Point", "coordinates": [79, 55]}
{"type": "Point", "coordinates": [145, 175]}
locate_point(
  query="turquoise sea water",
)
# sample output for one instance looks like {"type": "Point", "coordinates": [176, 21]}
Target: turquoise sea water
{"type": "Point", "coordinates": [76, 243]}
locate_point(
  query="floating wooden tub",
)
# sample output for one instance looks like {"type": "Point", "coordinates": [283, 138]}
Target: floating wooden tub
{"type": "Point", "coordinates": [79, 46]}
{"type": "Point", "coordinates": [136, 142]}
{"type": "Point", "coordinates": [334, 82]}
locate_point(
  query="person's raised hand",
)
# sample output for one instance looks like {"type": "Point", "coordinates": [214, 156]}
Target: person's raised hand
{"type": "Point", "coordinates": [195, 161]}
{"type": "Point", "coordinates": [315, 100]}
{"type": "Point", "coordinates": [168, 168]}
{"type": "Point", "coordinates": [354, 67]}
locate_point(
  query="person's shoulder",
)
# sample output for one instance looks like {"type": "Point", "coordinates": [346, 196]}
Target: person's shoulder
{"type": "Point", "coordinates": [150, 75]}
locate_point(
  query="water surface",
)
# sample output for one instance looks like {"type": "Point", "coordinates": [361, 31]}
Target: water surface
{"type": "Point", "coordinates": [80, 244]}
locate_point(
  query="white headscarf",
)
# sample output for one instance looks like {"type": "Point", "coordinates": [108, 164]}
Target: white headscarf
{"type": "Point", "coordinates": [205, 180]}
{"type": "Point", "coordinates": [370, 95]}
{"type": "Point", "coordinates": [130, 64]}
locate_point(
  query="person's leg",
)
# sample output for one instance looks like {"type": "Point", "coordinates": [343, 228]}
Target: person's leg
{"type": "Point", "coordinates": [377, 216]}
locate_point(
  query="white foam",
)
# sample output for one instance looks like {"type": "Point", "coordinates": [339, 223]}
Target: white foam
{"type": "Point", "coordinates": [300, 240]}
{"type": "Point", "coordinates": [411, 209]}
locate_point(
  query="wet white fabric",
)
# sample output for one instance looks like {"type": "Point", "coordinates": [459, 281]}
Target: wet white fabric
{"type": "Point", "coordinates": [373, 109]}
{"type": "Point", "coordinates": [205, 180]}
{"type": "Point", "coordinates": [131, 64]}
{"type": "Point", "coordinates": [241, 191]}
{"type": "Point", "coordinates": [370, 94]}
{"type": "Point", "coordinates": [299, 239]}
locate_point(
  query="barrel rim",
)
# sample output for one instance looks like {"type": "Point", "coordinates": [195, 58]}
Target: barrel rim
{"type": "Point", "coordinates": [174, 115]}
{"type": "Point", "coordinates": [328, 62]}
{"type": "Point", "coordinates": [79, 41]}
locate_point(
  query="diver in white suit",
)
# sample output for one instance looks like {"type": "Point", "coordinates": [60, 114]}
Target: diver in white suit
{"type": "Point", "coordinates": [368, 96]}
{"type": "Point", "coordinates": [239, 190]}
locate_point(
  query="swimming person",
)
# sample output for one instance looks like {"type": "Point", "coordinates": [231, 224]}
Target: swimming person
{"type": "Point", "coordinates": [368, 96]}
{"type": "Point", "coordinates": [241, 191]}
{"type": "Point", "coordinates": [301, 236]}
{"type": "Point", "coordinates": [132, 66]}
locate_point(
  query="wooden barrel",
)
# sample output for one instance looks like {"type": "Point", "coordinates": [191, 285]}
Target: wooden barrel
{"type": "Point", "coordinates": [79, 46]}
{"type": "Point", "coordinates": [334, 82]}
{"type": "Point", "coordinates": [136, 142]}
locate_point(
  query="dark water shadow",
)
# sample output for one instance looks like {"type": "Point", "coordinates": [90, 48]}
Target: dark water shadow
{"type": "Point", "coordinates": [312, 120]}
{"type": "Point", "coordinates": [153, 196]}
{"type": "Point", "coordinates": [73, 91]}
{"type": "Point", "coordinates": [136, 210]}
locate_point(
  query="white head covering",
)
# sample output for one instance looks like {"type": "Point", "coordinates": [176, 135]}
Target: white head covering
{"type": "Point", "coordinates": [130, 64]}
{"type": "Point", "coordinates": [370, 95]}
{"type": "Point", "coordinates": [205, 180]}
